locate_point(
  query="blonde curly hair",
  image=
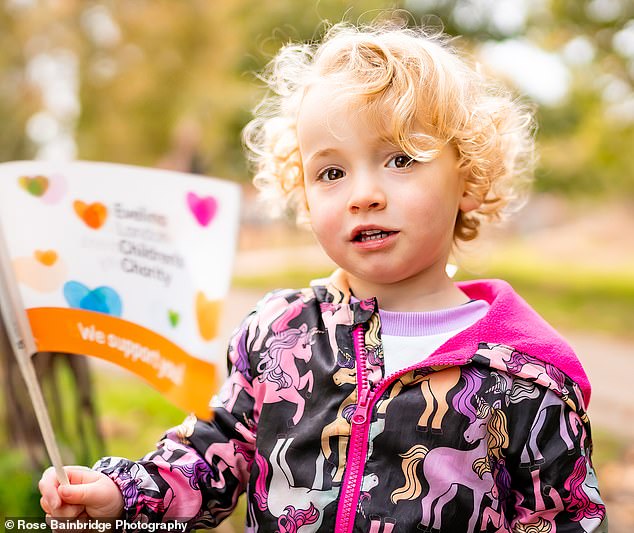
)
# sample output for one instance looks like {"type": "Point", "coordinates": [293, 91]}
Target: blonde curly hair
{"type": "Point", "coordinates": [428, 95]}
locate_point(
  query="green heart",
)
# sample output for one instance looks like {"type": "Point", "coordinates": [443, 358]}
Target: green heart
{"type": "Point", "coordinates": [174, 317]}
{"type": "Point", "coordinates": [36, 185]}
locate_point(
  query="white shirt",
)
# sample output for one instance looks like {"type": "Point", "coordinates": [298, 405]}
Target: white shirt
{"type": "Point", "coordinates": [409, 338]}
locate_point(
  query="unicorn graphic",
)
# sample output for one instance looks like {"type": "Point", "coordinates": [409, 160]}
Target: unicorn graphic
{"type": "Point", "coordinates": [583, 498]}
{"type": "Point", "coordinates": [340, 426]}
{"type": "Point", "coordinates": [488, 430]}
{"type": "Point", "coordinates": [531, 454]}
{"type": "Point", "coordinates": [307, 502]}
{"type": "Point", "coordinates": [278, 371]}
{"type": "Point", "coordinates": [434, 386]}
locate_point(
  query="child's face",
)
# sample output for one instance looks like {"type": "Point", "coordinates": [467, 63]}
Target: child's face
{"type": "Point", "coordinates": [380, 216]}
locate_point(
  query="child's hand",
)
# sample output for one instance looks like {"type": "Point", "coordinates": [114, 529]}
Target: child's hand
{"type": "Point", "coordinates": [90, 493]}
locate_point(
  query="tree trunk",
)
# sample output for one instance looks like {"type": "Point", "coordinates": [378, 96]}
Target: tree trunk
{"type": "Point", "coordinates": [68, 392]}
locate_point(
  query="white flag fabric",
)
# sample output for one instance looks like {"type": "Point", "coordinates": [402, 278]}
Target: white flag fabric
{"type": "Point", "coordinates": [125, 263]}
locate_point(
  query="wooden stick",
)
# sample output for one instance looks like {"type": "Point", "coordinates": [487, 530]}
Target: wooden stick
{"type": "Point", "coordinates": [23, 345]}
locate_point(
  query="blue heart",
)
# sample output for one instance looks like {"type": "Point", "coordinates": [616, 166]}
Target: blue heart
{"type": "Point", "coordinates": [102, 299]}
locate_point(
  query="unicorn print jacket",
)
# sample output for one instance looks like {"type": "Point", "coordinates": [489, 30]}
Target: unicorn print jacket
{"type": "Point", "coordinates": [489, 433]}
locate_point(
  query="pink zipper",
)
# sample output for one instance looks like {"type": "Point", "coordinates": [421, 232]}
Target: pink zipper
{"type": "Point", "coordinates": [358, 440]}
{"type": "Point", "coordinates": [358, 448]}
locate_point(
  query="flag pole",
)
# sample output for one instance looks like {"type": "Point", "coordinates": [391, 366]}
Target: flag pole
{"type": "Point", "coordinates": [23, 345]}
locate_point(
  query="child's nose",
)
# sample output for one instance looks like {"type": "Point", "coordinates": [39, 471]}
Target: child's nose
{"type": "Point", "coordinates": [367, 194]}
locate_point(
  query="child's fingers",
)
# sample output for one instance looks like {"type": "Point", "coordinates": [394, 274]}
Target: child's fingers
{"type": "Point", "coordinates": [44, 505]}
{"type": "Point", "coordinates": [48, 488]}
{"type": "Point", "coordinates": [95, 491]}
{"type": "Point", "coordinates": [81, 474]}
{"type": "Point", "coordinates": [61, 521]}
{"type": "Point", "coordinates": [64, 512]}
{"type": "Point", "coordinates": [89, 491]}
{"type": "Point", "coordinates": [76, 494]}
{"type": "Point", "coordinates": [49, 485]}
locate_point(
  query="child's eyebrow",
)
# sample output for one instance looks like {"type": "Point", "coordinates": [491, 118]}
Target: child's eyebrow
{"type": "Point", "coordinates": [324, 152]}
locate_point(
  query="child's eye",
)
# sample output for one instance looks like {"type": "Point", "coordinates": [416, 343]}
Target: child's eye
{"type": "Point", "coordinates": [331, 174]}
{"type": "Point", "coordinates": [400, 161]}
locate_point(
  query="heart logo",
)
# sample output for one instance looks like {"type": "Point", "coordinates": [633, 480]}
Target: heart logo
{"type": "Point", "coordinates": [102, 299]}
{"type": "Point", "coordinates": [47, 258]}
{"type": "Point", "coordinates": [203, 208]}
{"type": "Point", "coordinates": [93, 215]}
{"type": "Point", "coordinates": [174, 317]}
{"type": "Point", "coordinates": [207, 313]}
{"type": "Point", "coordinates": [35, 185]}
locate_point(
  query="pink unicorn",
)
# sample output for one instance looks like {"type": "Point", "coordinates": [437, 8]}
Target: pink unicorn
{"type": "Point", "coordinates": [234, 455]}
{"type": "Point", "coordinates": [526, 366]}
{"type": "Point", "coordinates": [278, 372]}
{"type": "Point", "coordinates": [583, 498]}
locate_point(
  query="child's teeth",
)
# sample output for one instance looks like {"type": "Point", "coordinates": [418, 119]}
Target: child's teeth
{"type": "Point", "coordinates": [372, 235]}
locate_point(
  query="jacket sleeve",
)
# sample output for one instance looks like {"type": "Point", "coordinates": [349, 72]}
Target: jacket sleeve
{"type": "Point", "coordinates": [553, 483]}
{"type": "Point", "coordinates": [199, 468]}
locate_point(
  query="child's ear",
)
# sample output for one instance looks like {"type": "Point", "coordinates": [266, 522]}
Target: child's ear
{"type": "Point", "coordinates": [469, 202]}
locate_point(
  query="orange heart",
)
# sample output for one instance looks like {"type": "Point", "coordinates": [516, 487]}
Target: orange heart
{"type": "Point", "coordinates": [94, 215]}
{"type": "Point", "coordinates": [47, 258]}
{"type": "Point", "coordinates": [207, 313]}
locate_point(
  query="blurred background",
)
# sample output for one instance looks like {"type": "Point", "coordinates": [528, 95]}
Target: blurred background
{"type": "Point", "coordinates": [171, 83]}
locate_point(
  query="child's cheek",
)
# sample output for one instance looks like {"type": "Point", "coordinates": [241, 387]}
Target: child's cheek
{"type": "Point", "coordinates": [326, 225]}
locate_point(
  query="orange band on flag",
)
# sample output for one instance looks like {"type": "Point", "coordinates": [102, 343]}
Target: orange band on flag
{"type": "Point", "coordinates": [185, 380]}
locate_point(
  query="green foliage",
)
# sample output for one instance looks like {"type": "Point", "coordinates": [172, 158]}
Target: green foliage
{"type": "Point", "coordinates": [169, 62]}
{"type": "Point", "coordinates": [583, 151]}
{"type": "Point", "coordinates": [17, 100]}
{"type": "Point", "coordinates": [19, 495]}
{"type": "Point", "coordinates": [606, 449]}
{"type": "Point", "coordinates": [583, 141]}
{"type": "Point", "coordinates": [188, 59]}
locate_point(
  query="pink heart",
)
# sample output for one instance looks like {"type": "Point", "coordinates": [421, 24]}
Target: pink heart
{"type": "Point", "coordinates": [203, 208]}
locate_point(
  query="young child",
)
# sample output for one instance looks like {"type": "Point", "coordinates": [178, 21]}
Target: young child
{"type": "Point", "coordinates": [387, 397]}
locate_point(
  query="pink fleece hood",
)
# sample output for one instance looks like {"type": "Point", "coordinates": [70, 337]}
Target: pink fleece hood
{"type": "Point", "coordinates": [512, 321]}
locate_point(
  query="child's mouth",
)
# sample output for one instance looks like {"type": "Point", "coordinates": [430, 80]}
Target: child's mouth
{"type": "Point", "coordinates": [372, 235]}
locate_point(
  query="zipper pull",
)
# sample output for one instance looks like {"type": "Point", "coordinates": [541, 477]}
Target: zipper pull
{"type": "Point", "coordinates": [361, 412]}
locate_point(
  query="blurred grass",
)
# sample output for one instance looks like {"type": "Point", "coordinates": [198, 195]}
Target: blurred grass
{"type": "Point", "coordinates": [607, 448]}
{"type": "Point", "coordinates": [134, 416]}
{"type": "Point", "coordinates": [568, 296]}
{"type": "Point", "coordinates": [572, 297]}
{"type": "Point", "coordinates": [291, 277]}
